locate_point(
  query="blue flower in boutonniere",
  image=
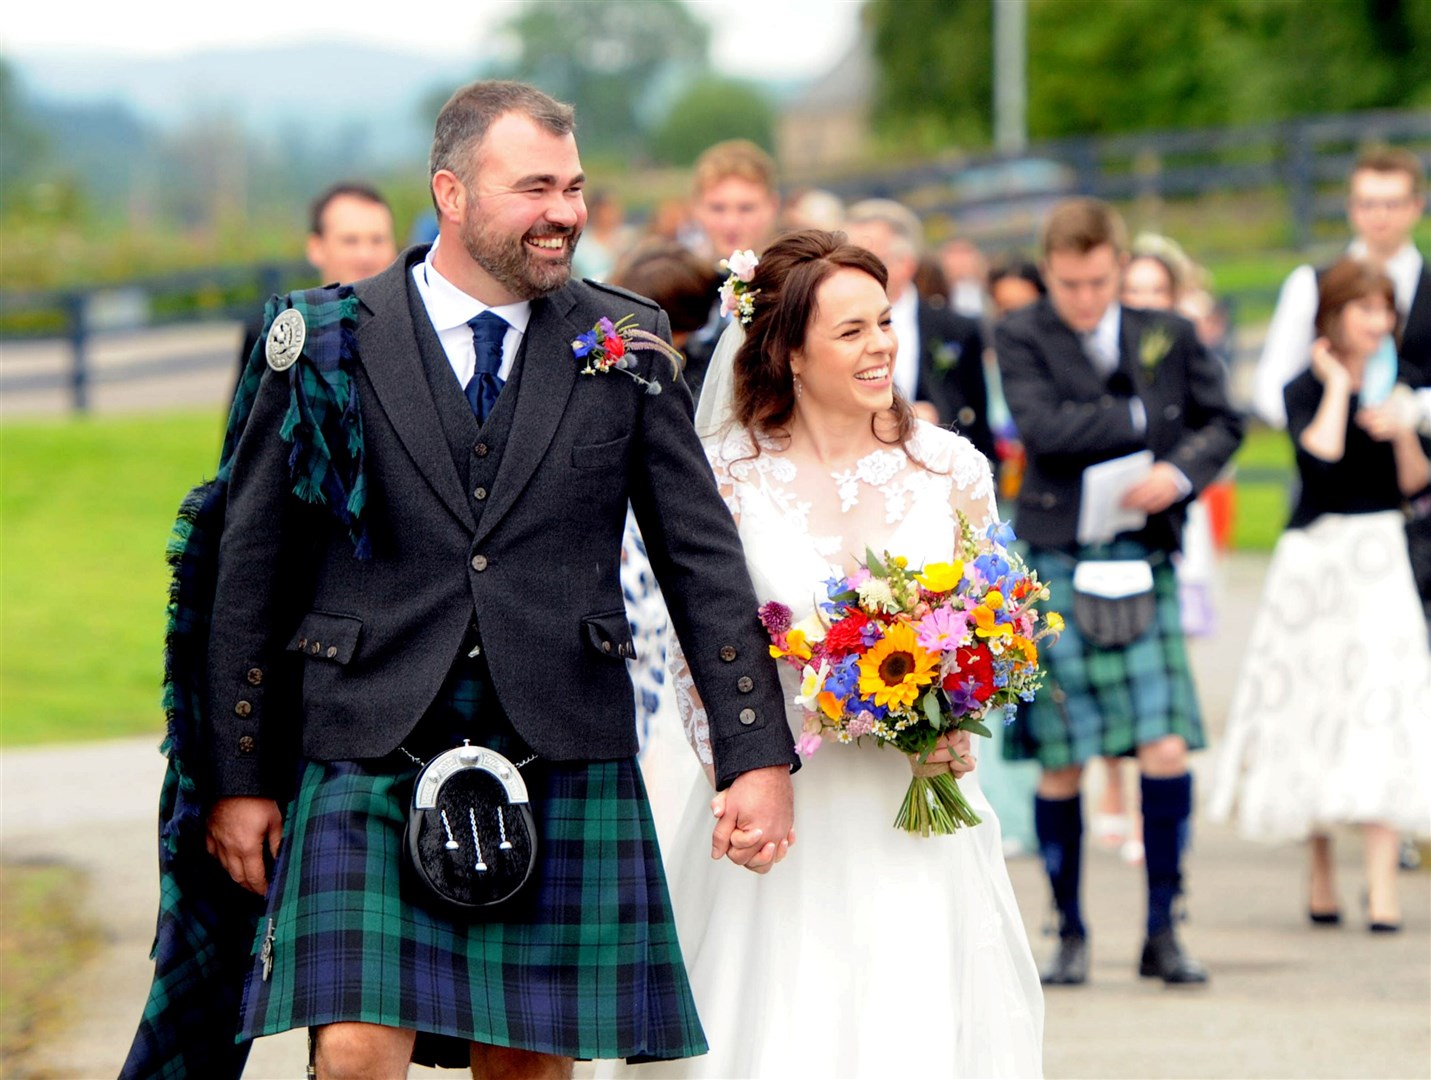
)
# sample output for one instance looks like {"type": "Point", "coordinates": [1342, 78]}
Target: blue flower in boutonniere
{"type": "Point", "coordinates": [947, 354]}
{"type": "Point", "coordinates": [607, 347]}
{"type": "Point", "coordinates": [1152, 347]}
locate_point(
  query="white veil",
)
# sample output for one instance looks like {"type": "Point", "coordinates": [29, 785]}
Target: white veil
{"type": "Point", "coordinates": [716, 407]}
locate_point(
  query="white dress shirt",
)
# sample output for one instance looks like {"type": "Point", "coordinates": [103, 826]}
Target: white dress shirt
{"type": "Point", "coordinates": [450, 308]}
{"type": "Point", "coordinates": [904, 317]}
{"type": "Point", "coordinates": [1288, 348]}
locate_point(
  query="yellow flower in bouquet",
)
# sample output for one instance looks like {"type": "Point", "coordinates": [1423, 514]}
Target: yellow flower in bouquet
{"type": "Point", "coordinates": [894, 671]}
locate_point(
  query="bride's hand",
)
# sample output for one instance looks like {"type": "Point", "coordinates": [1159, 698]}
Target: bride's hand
{"type": "Point", "coordinates": [750, 815]}
{"type": "Point", "coordinates": [957, 749]}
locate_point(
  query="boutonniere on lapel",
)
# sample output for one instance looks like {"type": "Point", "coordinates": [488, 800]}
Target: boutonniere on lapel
{"type": "Point", "coordinates": [1152, 347]}
{"type": "Point", "coordinates": [605, 347]}
{"type": "Point", "coordinates": [946, 355]}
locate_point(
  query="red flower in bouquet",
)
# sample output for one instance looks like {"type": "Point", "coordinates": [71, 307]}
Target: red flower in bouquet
{"type": "Point", "coordinates": [844, 637]}
{"type": "Point", "coordinates": [976, 672]}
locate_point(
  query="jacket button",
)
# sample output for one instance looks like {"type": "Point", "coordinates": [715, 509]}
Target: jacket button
{"type": "Point", "coordinates": [747, 716]}
{"type": "Point", "coordinates": [745, 684]}
{"type": "Point", "coordinates": [966, 416]}
{"type": "Point", "coordinates": [243, 708]}
{"type": "Point", "coordinates": [480, 449]}
{"type": "Point", "coordinates": [255, 676]}
{"type": "Point", "coordinates": [1171, 412]}
{"type": "Point", "coordinates": [247, 744]}
{"type": "Point", "coordinates": [606, 646]}
{"type": "Point", "coordinates": [727, 653]}
{"type": "Point", "coordinates": [303, 643]}
{"type": "Point", "coordinates": [479, 563]}
{"type": "Point", "coordinates": [480, 494]}
{"type": "Point", "coordinates": [1047, 500]}
{"type": "Point", "coordinates": [315, 647]}
{"type": "Point", "coordinates": [332, 651]}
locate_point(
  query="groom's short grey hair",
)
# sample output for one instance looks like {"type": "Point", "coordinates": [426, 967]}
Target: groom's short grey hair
{"type": "Point", "coordinates": [901, 221]}
{"type": "Point", "coordinates": [464, 120]}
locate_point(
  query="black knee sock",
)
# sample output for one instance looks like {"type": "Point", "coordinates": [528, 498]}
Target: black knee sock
{"type": "Point", "coordinates": [1167, 811]}
{"type": "Point", "coordinates": [1059, 824]}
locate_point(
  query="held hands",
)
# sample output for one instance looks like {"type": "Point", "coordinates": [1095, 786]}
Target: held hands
{"type": "Point", "coordinates": [1155, 492]}
{"type": "Point", "coordinates": [755, 819]}
{"type": "Point", "coordinates": [239, 827]}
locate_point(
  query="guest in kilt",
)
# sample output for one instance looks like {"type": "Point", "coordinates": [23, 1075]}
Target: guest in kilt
{"type": "Point", "coordinates": [438, 559]}
{"type": "Point", "coordinates": [1088, 381]}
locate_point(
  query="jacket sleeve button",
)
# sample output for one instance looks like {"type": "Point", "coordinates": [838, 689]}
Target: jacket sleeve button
{"type": "Point", "coordinates": [247, 744]}
{"type": "Point", "coordinates": [727, 653]}
{"type": "Point", "coordinates": [745, 684]}
{"type": "Point", "coordinates": [747, 716]}
{"type": "Point", "coordinates": [332, 651]}
{"type": "Point", "coordinates": [243, 708]}
{"type": "Point", "coordinates": [255, 676]}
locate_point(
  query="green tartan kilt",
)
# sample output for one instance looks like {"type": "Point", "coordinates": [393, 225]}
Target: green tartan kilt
{"type": "Point", "coordinates": [587, 967]}
{"type": "Point", "coordinates": [1107, 702]}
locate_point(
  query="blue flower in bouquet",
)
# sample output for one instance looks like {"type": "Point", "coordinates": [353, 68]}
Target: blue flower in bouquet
{"type": "Point", "coordinates": [844, 677]}
{"type": "Point", "coordinates": [992, 566]}
{"type": "Point", "coordinates": [1000, 532]}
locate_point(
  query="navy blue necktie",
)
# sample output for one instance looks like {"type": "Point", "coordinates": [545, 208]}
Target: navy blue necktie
{"type": "Point", "coordinates": [482, 389]}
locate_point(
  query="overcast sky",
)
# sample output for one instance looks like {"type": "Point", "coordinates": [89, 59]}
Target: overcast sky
{"type": "Point", "coordinates": [768, 38]}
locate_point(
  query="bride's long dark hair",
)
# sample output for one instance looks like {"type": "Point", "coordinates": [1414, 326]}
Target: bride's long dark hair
{"type": "Point", "coordinates": [789, 275]}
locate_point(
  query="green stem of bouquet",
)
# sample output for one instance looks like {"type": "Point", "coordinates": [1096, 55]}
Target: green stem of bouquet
{"type": "Point", "coordinates": [934, 804]}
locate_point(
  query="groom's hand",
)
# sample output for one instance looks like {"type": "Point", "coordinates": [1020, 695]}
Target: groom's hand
{"type": "Point", "coordinates": [755, 819]}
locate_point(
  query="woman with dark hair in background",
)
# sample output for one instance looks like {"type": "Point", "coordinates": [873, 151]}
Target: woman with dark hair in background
{"type": "Point", "coordinates": [1330, 723]}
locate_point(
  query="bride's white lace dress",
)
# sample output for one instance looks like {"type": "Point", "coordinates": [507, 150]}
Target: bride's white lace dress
{"type": "Point", "coordinates": [868, 952]}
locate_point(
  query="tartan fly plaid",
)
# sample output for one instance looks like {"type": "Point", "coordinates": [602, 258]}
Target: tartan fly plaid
{"type": "Point", "coordinates": [588, 967]}
{"type": "Point", "coordinates": [1107, 702]}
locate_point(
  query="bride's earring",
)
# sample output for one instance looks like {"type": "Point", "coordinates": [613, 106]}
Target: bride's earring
{"type": "Point", "coordinates": [799, 388]}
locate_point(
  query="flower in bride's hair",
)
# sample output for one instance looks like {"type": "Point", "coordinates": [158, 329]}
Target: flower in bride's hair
{"type": "Point", "coordinates": [736, 296]}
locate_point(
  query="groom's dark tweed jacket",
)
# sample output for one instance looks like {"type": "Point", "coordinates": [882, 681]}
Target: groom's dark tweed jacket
{"type": "Point", "coordinates": [532, 557]}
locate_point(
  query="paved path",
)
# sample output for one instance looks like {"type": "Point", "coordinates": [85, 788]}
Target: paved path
{"type": "Point", "coordinates": [1286, 1001]}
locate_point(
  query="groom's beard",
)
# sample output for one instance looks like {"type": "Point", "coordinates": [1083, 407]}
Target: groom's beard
{"type": "Point", "coordinates": [511, 263]}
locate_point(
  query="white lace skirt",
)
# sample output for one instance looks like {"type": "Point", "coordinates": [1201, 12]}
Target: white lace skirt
{"type": "Point", "coordinates": [1330, 721]}
{"type": "Point", "coordinates": [866, 953]}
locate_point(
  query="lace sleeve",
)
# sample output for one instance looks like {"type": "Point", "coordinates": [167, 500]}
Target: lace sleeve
{"type": "Point", "coordinates": [972, 491]}
{"type": "Point", "coordinates": [691, 709]}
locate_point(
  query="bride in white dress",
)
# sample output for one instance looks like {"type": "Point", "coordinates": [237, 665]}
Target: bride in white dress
{"type": "Point", "coordinates": [868, 951]}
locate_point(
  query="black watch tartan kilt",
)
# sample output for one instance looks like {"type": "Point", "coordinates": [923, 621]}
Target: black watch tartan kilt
{"type": "Point", "coordinates": [1107, 702]}
{"type": "Point", "coordinates": [588, 967]}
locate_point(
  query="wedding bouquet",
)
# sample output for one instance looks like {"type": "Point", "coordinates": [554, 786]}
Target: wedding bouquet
{"type": "Point", "coordinates": [907, 656]}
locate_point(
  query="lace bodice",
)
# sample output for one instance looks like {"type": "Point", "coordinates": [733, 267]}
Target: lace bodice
{"type": "Point", "coordinates": [801, 526]}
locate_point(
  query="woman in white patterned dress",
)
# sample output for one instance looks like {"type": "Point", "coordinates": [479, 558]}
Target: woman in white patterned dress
{"type": "Point", "coordinates": [868, 952]}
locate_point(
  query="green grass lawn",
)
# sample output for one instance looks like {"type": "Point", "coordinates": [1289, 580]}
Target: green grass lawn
{"type": "Point", "coordinates": [85, 510]}
{"type": "Point", "coordinates": [1264, 476]}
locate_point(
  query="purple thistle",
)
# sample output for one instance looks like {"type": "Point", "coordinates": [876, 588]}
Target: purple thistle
{"type": "Point", "coordinates": [775, 617]}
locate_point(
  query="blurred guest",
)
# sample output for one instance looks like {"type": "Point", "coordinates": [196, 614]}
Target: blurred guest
{"type": "Point", "coordinates": [966, 270]}
{"type": "Point", "coordinates": [814, 208]}
{"type": "Point", "coordinates": [1014, 282]}
{"type": "Point", "coordinates": [1150, 283]}
{"type": "Point", "coordinates": [675, 278]}
{"type": "Point", "coordinates": [939, 367]}
{"type": "Point", "coordinates": [1386, 195]}
{"type": "Point", "coordinates": [1089, 381]}
{"type": "Point", "coordinates": [930, 282]}
{"type": "Point", "coordinates": [350, 237]}
{"type": "Point", "coordinates": [604, 239]}
{"type": "Point", "coordinates": [735, 198]}
{"type": "Point", "coordinates": [1330, 721]}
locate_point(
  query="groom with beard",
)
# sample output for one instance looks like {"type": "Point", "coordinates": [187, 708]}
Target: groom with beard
{"type": "Point", "coordinates": [474, 594]}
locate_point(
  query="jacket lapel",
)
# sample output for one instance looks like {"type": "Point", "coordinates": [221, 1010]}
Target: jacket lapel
{"type": "Point", "coordinates": [549, 372]}
{"type": "Point", "coordinates": [387, 348]}
{"type": "Point", "coordinates": [1071, 364]}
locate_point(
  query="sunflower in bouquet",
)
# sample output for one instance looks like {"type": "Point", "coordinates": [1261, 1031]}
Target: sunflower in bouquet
{"type": "Point", "coordinates": [906, 657]}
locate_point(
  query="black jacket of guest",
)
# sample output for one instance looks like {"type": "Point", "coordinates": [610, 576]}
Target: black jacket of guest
{"type": "Point", "coordinates": [951, 373]}
{"type": "Point", "coordinates": [532, 555]}
{"type": "Point", "coordinates": [1070, 417]}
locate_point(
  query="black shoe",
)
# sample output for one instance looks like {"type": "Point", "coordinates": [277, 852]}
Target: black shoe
{"type": "Point", "coordinates": [1325, 918]}
{"type": "Point", "coordinates": [1069, 966]}
{"type": "Point", "coordinates": [1163, 958]}
{"type": "Point", "coordinates": [1384, 927]}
